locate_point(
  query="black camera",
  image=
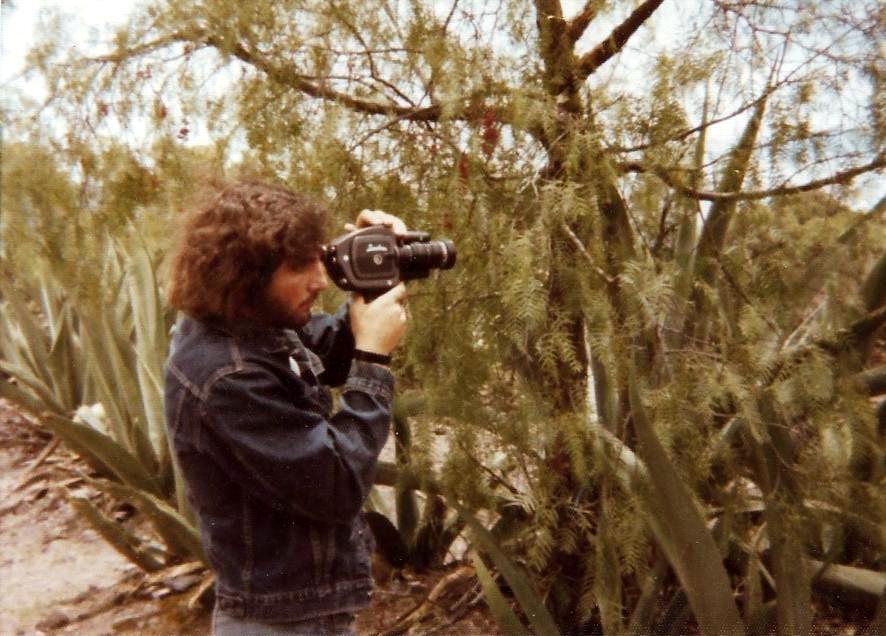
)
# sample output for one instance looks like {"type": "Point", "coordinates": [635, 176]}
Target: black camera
{"type": "Point", "coordinates": [373, 260]}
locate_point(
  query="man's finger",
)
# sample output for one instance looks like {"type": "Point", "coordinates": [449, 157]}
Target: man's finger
{"type": "Point", "coordinates": [371, 217]}
{"type": "Point", "coordinates": [397, 294]}
{"type": "Point", "coordinates": [380, 217]}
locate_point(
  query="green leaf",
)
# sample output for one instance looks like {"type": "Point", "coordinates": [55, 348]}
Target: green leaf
{"type": "Point", "coordinates": [531, 603]}
{"type": "Point", "coordinates": [607, 577]}
{"type": "Point", "coordinates": [151, 342]}
{"type": "Point", "coordinates": [405, 498]}
{"type": "Point", "coordinates": [681, 533]}
{"type": "Point", "coordinates": [180, 536]}
{"type": "Point", "coordinates": [104, 452]}
{"type": "Point", "coordinates": [36, 349]}
{"type": "Point", "coordinates": [126, 543]}
{"type": "Point", "coordinates": [774, 455]}
{"type": "Point", "coordinates": [721, 212]}
{"type": "Point", "coordinates": [22, 399]}
{"type": "Point", "coordinates": [115, 384]}
{"type": "Point", "coordinates": [873, 291]}
{"type": "Point", "coordinates": [498, 604]}
{"type": "Point", "coordinates": [64, 365]}
{"type": "Point", "coordinates": [42, 392]}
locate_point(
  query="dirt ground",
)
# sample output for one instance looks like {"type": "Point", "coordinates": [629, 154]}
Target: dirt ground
{"type": "Point", "coordinates": [57, 576]}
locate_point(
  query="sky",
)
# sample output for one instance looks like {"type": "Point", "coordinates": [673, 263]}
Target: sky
{"type": "Point", "coordinates": [20, 19]}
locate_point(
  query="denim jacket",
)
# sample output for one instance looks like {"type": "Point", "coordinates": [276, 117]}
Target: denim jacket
{"type": "Point", "coordinates": [276, 479]}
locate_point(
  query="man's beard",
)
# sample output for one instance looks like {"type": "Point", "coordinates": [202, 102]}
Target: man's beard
{"type": "Point", "coordinates": [280, 316]}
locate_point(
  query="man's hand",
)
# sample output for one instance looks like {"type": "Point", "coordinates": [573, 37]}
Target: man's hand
{"type": "Point", "coordinates": [379, 326]}
{"type": "Point", "coordinates": [377, 217]}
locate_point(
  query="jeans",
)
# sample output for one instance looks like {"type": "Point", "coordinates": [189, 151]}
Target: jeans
{"type": "Point", "coordinates": [330, 625]}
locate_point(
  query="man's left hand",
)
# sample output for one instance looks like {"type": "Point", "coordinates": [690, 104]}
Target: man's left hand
{"type": "Point", "coordinates": [367, 218]}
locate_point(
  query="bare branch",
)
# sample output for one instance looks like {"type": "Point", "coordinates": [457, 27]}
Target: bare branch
{"type": "Point", "coordinates": [579, 23]}
{"type": "Point", "coordinates": [288, 77]}
{"type": "Point", "coordinates": [449, 16]}
{"type": "Point", "coordinates": [873, 380]}
{"type": "Point", "coordinates": [601, 53]}
{"type": "Point", "coordinates": [390, 123]}
{"type": "Point", "coordinates": [320, 89]}
{"type": "Point", "coordinates": [584, 252]}
{"type": "Point", "coordinates": [121, 55]}
{"type": "Point", "coordinates": [841, 178]}
{"type": "Point", "coordinates": [866, 326]}
{"type": "Point", "coordinates": [371, 61]}
{"type": "Point", "coordinates": [687, 132]}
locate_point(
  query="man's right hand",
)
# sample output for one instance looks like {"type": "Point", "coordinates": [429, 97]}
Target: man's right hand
{"type": "Point", "coordinates": [378, 326]}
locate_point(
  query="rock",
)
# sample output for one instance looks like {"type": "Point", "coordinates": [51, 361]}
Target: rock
{"type": "Point", "coordinates": [182, 583]}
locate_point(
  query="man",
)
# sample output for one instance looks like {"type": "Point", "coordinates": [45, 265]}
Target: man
{"type": "Point", "coordinates": [275, 477]}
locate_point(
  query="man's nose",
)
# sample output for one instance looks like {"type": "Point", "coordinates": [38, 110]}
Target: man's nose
{"type": "Point", "coordinates": [320, 281]}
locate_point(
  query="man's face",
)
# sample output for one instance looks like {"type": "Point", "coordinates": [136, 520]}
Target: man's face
{"type": "Point", "coordinates": [293, 290]}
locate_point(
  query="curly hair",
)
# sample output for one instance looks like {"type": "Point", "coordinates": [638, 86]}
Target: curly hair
{"type": "Point", "coordinates": [231, 246]}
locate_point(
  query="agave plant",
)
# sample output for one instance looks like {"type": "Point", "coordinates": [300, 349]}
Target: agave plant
{"type": "Point", "coordinates": [418, 533]}
{"type": "Point", "coordinates": [91, 372]}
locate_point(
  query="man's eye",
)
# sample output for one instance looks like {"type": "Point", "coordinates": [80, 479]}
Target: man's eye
{"type": "Point", "coordinates": [302, 265]}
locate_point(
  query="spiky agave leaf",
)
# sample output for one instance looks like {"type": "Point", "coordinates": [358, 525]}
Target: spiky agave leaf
{"type": "Point", "coordinates": [125, 542]}
{"type": "Point", "coordinates": [180, 536]}
{"type": "Point", "coordinates": [103, 452]}
{"type": "Point", "coordinates": [531, 603]}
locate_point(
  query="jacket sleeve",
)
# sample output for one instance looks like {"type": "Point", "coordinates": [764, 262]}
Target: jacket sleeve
{"type": "Point", "coordinates": [330, 337]}
{"type": "Point", "coordinates": [291, 457]}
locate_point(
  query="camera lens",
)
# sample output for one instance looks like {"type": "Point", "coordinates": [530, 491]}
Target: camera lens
{"type": "Point", "coordinates": [417, 259]}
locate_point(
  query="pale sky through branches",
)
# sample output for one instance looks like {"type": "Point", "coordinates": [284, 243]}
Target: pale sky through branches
{"type": "Point", "coordinates": [89, 23]}
{"type": "Point", "coordinates": [92, 19]}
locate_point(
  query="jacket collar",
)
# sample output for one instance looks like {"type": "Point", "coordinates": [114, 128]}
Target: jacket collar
{"type": "Point", "coordinates": [269, 339]}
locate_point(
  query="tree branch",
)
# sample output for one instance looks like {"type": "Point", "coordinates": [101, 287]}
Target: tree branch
{"type": "Point", "coordinates": [556, 49]}
{"type": "Point", "coordinates": [584, 252]}
{"type": "Point", "coordinates": [701, 127]}
{"type": "Point", "coordinates": [601, 53]}
{"type": "Point", "coordinates": [318, 88]}
{"type": "Point", "coordinates": [873, 380]}
{"type": "Point", "coordinates": [867, 325]}
{"type": "Point", "coordinates": [121, 55]}
{"type": "Point", "coordinates": [288, 77]}
{"type": "Point", "coordinates": [667, 176]}
{"type": "Point", "coordinates": [390, 474]}
{"type": "Point", "coordinates": [367, 51]}
{"type": "Point", "coordinates": [576, 27]}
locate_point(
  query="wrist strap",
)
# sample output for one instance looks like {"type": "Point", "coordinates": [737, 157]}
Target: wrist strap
{"type": "Point", "coordinates": [367, 356]}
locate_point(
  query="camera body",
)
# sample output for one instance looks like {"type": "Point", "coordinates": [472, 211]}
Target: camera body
{"type": "Point", "coordinates": [373, 260]}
